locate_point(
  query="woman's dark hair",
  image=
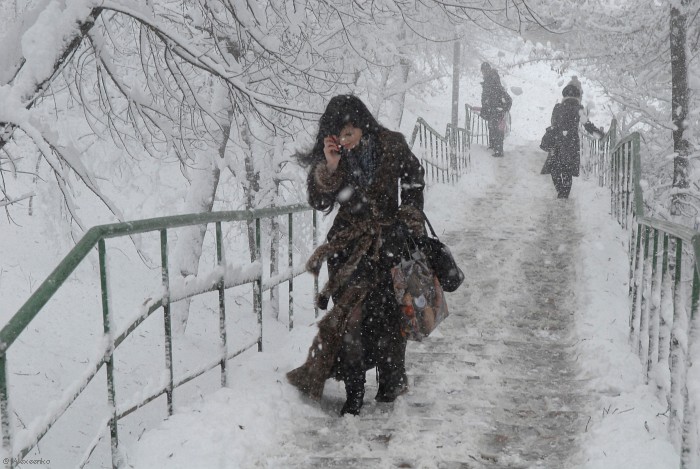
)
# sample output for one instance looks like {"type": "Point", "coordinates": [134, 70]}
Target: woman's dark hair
{"type": "Point", "coordinates": [571, 91]}
{"type": "Point", "coordinates": [341, 110]}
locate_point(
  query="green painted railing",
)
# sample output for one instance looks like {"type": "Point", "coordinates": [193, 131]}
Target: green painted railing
{"type": "Point", "coordinates": [444, 160]}
{"type": "Point", "coordinates": [595, 154]}
{"type": "Point", "coordinates": [95, 238]}
{"type": "Point", "coordinates": [664, 289]}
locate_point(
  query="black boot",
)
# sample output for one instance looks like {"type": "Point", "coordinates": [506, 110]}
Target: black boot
{"type": "Point", "coordinates": [355, 392]}
{"type": "Point", "coordinates": [391, 387]}
{"type": "Point", "coordinates": [391, 369]}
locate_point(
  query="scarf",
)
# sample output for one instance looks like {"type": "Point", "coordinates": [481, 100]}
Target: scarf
{"type": "Point", "coordinates": [363, 160]}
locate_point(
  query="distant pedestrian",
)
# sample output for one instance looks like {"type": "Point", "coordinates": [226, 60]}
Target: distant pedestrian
{"type": "Point", "coordinates": [495, 103]}
{"type": "Point", "coordinates": [564, 161]}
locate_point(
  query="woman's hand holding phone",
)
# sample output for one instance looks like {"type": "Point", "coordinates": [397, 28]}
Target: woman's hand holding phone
{"type": "Point", "coordinates": [331, 149]}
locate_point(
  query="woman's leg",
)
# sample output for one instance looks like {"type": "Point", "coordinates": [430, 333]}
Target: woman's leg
{"type": "Point", "coordinates": [499, 135]}
{"type": "Point", "coordinates": [490, 124]}
{"type": "Point", "coordinates": [384, 344]}
{"type": "Point", "coordinates": [566, 182]}
{"type": "Point", "coordinates": [351, 364]}
{"type": "Point", "coordinates": [557, 180]}
{"type": "Point", "coordinates": [392, 371]}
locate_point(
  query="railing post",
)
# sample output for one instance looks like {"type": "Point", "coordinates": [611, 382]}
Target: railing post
{"type": "Point", "coordinates": [5, 412]}
{"type": "Point", "coordinates": [291, 278]}
{"type": "Point", "coordinates": [665, 313]}
{"type": "Point", "coordinates": [467, 124]}
{"type": "Point", "coordinates": [653, 338]}
{"type": "Point", "coordinates": [106, 327]}
{"type": "Point", "coordinates": [257, 286]}
{"type": "Point", "coordinates": [600, 162]}
{"type": "Point", "coordinates": [167, 323]}
{"type": "Point", "coordinates": [635, 283]}
{"type": "Point", "coordinates": [643, 340]}
{"type": "Point", "coordinates": [222, 303]}
{"type": "Point", "coordinates": [678, 351]}
{"type": "Point", "coordinates": [628, 183]}
{"type": "Point", "coordinates": [635, 245]}
{"type": "Point", "coordinates": [689, 433]}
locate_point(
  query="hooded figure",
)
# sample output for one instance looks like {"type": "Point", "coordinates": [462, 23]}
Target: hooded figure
{"type": "Point", "coordinates": [370, 173]}
{"type": "Point", "coordinates": [563, 163]}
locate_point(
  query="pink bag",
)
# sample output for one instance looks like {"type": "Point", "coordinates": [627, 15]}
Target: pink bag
{"type": "Point", "coordinates": [420, 297]}
{"type": "Point", "coordinates": [502, 124]}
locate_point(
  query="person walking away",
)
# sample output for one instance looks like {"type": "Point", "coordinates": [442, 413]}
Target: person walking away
{"type": "Point", "coordinates": [370, 173]}
{"type": "Point", "coordinates": [495, 102]}
{"type": "Point", "coordinates": [565, 158]}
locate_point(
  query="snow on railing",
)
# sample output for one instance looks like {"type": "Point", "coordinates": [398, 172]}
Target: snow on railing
{"type": "Point", "coordinates": [19, 442]}
{"type": "Point", "coordinates": [595, 154]}
{"type": "Point", "coordinates": [444, 158]}
{"type": "Point", "coordinates": [664, 262]}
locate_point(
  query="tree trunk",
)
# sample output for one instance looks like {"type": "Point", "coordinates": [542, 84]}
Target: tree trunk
{"type": "Point", "coordinates": [679, 101]}
{"type": "Point", "coordinates": [401, 102]}
{"type": "Point", "coordinates": [381, 92]}
{"type": "Point", "coordinates": [252, 181]}
{"type": "Point", "coordinates": [274, 265]}
{"type": "Point", "coordinates": [455, 105]}
{"type": "Point", "coordinates": [200, 198]}
{"type": "Point", "coordinates": [188, 248]}
{"type": "Point", "coordinates": [396, 111]}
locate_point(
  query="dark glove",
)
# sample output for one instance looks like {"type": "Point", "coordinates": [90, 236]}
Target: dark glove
{"type": "Point", "coordinates": [593, 130]}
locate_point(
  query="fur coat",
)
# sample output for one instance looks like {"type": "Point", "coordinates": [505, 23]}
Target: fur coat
{"type": "Point", "coordinates": [357, 244]}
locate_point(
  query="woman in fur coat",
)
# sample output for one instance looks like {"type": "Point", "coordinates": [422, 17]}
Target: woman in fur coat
{"type": "Point", "coordinates": [370, 173]}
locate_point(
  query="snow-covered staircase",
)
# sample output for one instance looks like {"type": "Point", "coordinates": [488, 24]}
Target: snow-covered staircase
{"type": "Point", "coordinates": [497, 386]}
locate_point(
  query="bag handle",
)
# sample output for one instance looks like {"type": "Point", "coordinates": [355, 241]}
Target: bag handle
{"type": "Point", "coordinates": [432, 231]}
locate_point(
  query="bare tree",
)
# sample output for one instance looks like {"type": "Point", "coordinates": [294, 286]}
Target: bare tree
{"type": "Point", "coordinates": [679, 98]}
{"type": "Point", "coordinates": [209, 85]}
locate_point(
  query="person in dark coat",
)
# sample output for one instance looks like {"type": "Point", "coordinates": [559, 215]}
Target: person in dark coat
{"type": "Point", "coordinates": [365, 169]}
{"type": "Point", "coordinates": [495, 102]}
{"type": "Point", "coordinates": [564, 161]}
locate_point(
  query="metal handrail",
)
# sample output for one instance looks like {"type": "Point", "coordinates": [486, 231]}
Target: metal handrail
{"type": "Point", "coordinates": [595, 153]}
{"type": "Point", "coordinates": [477, 126]}
{"type": "Point", "coordinates": [664, 259]}
{"type": "Point", "coordinates": [446, 157]}
{"type": "Point", "coordinates": [95, 238]}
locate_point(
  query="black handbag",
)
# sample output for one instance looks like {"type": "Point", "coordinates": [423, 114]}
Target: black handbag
{"type": "Point", "coordinates": [549, 139]}
{"type": "Point", "coordinates": [440, 259]}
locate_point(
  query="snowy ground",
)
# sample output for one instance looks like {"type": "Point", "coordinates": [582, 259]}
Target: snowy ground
{"type": "Point", "coordinates": [262, 422]}
{"type": "Point", "coordinates": [498, 211]}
